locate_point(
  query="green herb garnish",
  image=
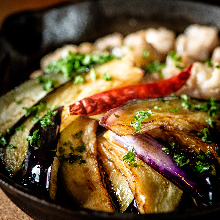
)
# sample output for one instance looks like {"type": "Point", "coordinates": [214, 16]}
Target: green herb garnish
{"type": "Point", "coordinates": [81, 148]}
{"type": "Point", "coordinates": [78, 80]}
{"type": "Point", "coordinates": [48, 119]}
{"type": "Point", "coordinates": [19, 102]}
{"type": "Point", "coordinates": [117, 116]}
{"type": "Point", "coordinates": [173, 110]}
{"type": "Point", "coordinates": [107, 77]}
{"type": "Point", "coordinates": [130, 157]}
{"type": "Point", "coordinates": [76, 64]}
{"type": "Point", "coordinates": [34, 109]}
{"type": "Point", "coordinates": [93, 74]}
{"type": "Point", "coordinates": [180, 159]}
{"type": "Point", "coordinates": [208, 62]}
{"type": "Point", "coordinates": [201, 167]}
{"type": "Point", "coordinates": [20, 128]}
{"type": "Point", "coordinates": [174, 57]}
{"type": "Point", "coordinates": [72, 158]}
{"type": "Point", "coordinates": [78, 135]}
{"type": "Point", "coordinates": [47, 83]}
{"type": "Point", "coordinates": [146, 54]}
{"type": "Point", "coordinates": [11, 146]}
{"type": "Point", "coordinates": [205, 135]}
{"type": "Point", "coordinates": [3, 140]}
{"type": "Point", "coordinates": [139, 117]}
{"type": "Point", "coordinates": [166, 150]}
{"type": "Point", "coordinates": [35, 139]}
{"type": "Point", "coordinates": [154, 66]}
{"type": "Point", "coordinates": [211, 122]}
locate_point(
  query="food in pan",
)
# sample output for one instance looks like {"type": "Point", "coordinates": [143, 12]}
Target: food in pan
{"type": "Point", "coordinates": [124, 124]}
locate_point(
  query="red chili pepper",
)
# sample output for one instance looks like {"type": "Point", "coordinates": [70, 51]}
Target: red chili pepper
{"type": "Point", "coordinates": [104, 101]}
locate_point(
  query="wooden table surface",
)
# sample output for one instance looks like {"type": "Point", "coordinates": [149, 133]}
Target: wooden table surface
{"type": "Point", "coordinates": [9, 211]}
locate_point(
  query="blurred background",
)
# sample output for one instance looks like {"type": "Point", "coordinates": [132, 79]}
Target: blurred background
{"type": "Point", "coordinates": [8, 7]}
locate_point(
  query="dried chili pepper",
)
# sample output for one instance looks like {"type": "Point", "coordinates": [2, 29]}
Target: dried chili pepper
{"type": "Point", "coordinates": [104, 101]}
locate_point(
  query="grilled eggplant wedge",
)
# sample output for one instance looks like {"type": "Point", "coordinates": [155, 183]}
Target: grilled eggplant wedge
{"type": "Point", "coordinates": [152, 192]}
{"type": "Point", "coordinates": [177, 137]}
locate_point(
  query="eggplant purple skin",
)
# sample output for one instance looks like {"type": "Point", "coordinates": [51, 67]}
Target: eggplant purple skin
{"type": "Point", "coordinates": [150, 151]}
{"type": "Point", "coordinates": [38, 162]}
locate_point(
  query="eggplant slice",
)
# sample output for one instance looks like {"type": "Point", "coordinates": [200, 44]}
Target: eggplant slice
{"type": "Point", "coordinates": [79, 168]}
{"type": "Point", "coordinates": [27, 94]}
{"type": "Point", "coordinates": [152, 192]}
{"type": "Point", "coordinates": [40, 154]}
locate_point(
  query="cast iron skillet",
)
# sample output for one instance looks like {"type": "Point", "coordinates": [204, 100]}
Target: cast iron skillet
{"type": "Point", "coordinates": [27, 36]}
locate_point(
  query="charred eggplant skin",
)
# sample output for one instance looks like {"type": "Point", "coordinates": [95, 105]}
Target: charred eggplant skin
{"type": "Point", "coordinates": [39, 158]}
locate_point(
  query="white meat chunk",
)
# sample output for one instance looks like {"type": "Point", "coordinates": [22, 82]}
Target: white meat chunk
{"type": "Point", "coordinates": [138, 50]}
{"type": "Point", "coordinates": [108, 42]}
{"type": "Point", "coordinates": [197, 42]}
{"type": "Point", "coordinates": [162, 39]}
{"type": "Point", "coordinates": [216, 55]}
{"type": "Point", "coordinates": [172, 68]}
{"type": "Point", "coordinates": [86, 48]}
{"type": "Point", "coordinates": [203, 83]}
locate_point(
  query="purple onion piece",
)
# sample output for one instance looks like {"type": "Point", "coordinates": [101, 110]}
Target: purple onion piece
{"type": "Point", "coordinates": [150, 151]}
{"type": "Point", "coordinates": [39, 160]}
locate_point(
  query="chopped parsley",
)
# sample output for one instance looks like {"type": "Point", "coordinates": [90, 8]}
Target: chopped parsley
{"type": "Point", "coordinates": [154, 66]}
{"type": "Point", "coordinates": [202, 155]}
{"type": "Point", "coordinates": [78, 135]}
{"type": "Point", "coordinates": [139, 117]}
{"type": "Point", "coordinates": [72, 158]}
{"type": "Point", "coordinates": [174, 57]}
{"type": "Point", "coordinates": [201, 167]}
{"type": "Point", "coordinates": [3, 140]}
{"type": "Point", "coordinates": [93, 74]}
{"type": "Point", "coordinates": [205, 135]}
{"type": "Point", "coordinates": [76, 64]}
{"type": "Point", "coordinates": [34, 110]}
{"type": "Point", "coordinates": [180, 159]}
{"type": "Point", "coordinates": [117, 116]}
{"type": "Point", "coordinates": [35, 139]}
{"type": "Point", "coordinates": [18, 102]}
{"type": "Point", "coordinates": [78, 80]}
{"type": "Point", "coordinates": [81, 148]}
{"type": "Point", "coordinates": [208, 62]}
{"type": "Point", "coordinates": [217, 151]}
{"type": "Point", "coordinates": [48, 119]}
{"type": "Point", "coordinates": [146, 54]}
{"type": "Point", "coordinates": [47, 83]}
{"type": "Point", "coordinates": [75, 154]}
{"type": "Point", "coordinates": [130, 157]}
{"type": "Point", "coordinates": [211, 107]}
{"type": "Point", "coordinates": [107, 77]}
{"type": "Point", "coordinates": [20, 128]}
{"type": "Point", "coordinates": [166, 150]}
{"type": "Point", "coordinates": [11, 146]}
{"type": "Point", "coordinates": [199, 161]}
{"type": "Point", "coordinates": [173, 110]}
{"type": "Point", "coordinates": [210, 122]}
